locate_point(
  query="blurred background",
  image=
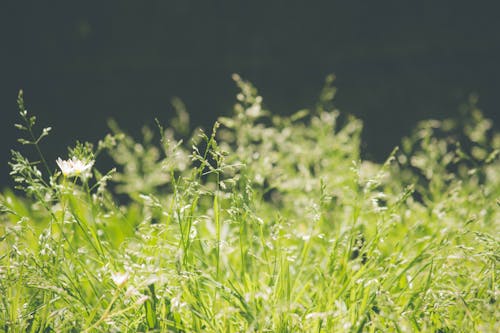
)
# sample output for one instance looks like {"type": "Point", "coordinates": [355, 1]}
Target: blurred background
{"type": "Point", "coordinates": [396, 62]}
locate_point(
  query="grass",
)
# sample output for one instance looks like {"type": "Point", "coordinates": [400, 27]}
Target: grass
{"type": "Point", "coordinates": [265, 224]}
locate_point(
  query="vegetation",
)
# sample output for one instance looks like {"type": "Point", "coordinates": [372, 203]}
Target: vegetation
{"type": "Point", "coordinates": [266, 224]}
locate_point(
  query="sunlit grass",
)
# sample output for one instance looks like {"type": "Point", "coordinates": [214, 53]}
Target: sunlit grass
{"type": "Point", "coordinates": [265, 224]}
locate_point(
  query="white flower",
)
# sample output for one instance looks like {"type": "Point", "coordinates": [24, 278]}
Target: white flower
{"type": "Point", "coordinates": [119, 279]}
{"type": "Point", "coordinates": [75, 167]}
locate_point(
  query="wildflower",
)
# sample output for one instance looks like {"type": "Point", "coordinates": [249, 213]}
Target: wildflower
{"type": "Point", "coordinates": [75, 167]}
{"type": "Point", "coordinates": [119, 279]}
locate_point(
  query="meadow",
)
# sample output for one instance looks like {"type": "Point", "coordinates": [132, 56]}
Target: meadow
{"type": "Point", "coordinates": [264, 223]}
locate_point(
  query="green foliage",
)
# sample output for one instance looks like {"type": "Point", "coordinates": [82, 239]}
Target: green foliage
{"type": "Point", "coordinates": [266, 224]}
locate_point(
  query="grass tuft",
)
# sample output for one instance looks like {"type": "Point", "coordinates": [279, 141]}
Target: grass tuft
{"type": "Point", "coordinates": [266, 224]}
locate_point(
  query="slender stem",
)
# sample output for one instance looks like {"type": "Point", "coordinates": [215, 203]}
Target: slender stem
{"type": "Point", "coordinates": [37, 147]}
{"type": "Point", "coordinates": [106, 312]}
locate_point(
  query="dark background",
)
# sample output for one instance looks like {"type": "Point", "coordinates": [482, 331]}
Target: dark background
{"type": "Point", "coordinates": [82, 62]}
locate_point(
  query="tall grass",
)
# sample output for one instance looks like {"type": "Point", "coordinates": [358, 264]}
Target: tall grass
{"type": "Point", "coordinates": [264, 224]}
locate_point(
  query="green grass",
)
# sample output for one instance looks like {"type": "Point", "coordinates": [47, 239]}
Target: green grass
{"type": "Point", "coordinates": [265, 224]}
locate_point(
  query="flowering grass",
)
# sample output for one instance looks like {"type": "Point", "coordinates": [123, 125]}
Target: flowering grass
{"type": "Point", "coordinates": [265, 224]}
